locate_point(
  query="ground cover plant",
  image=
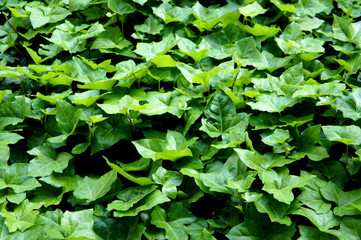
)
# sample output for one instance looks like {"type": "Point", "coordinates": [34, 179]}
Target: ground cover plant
{"type": "Point", "coordinates": [146, 119]}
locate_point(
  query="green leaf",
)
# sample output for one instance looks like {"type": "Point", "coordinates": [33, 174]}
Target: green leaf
{"type": "Point", "coordinates": [311, 195]}
{"type": "Point", "coordinates": [110, 38]}
{"type": "Point", "coordinates": [252, 10]}
{"type": "Point", "coordinates": [151, 25]}
{"type": "Point", "coordinates": [46, 161]}
{"type": "Point", "coordinates": [350, 228]}
{"type": "Point", "coordinates": [16, 177]}
{"type": "Point", "coordinates": [221, 117]}
{"type": "Point", "coordinates": [154, 49]}
{"type": "Point", "coordinates": [124, 228]}
{"type": "Point", "coordinates": [92, 189]}
{"type": "Point", "coordinates": [22, 218]}
{"type": "Point", "coordinates": [14, 112]}
{"type": "Point", "coordinates": [308, 232]}
{"type": "Point", "coordinates": [346, 201]}
{"type": "Point", "coordinates": [161, 103]}
{"type": "Point", "coordinates": [138, 180]}
{"type": "Point", "coordinates": [41, 15]}
{"type": "Point", "coordinates": [277, 136]}
{"type": "Point", "coordinates": [120, 7]}
{"type": "Point", "coordinates": [150, 201]}
{"type": "Point", "coordinates": [258, 226]}
{"type": "Point", "coordinates": [282, 186]}
{"type": "Point", "coordinates": [273, 103]}
{"type": "Point", "coordinates": [170, 13]}
{"type": "Point", "coordinates": [306, 143]}
{"type": "Point", "coordinates": [277, 212]}
{"type": "Point", "coordinates": [109, 132]}
{"type": "Point", "coordinates": [345, 31]}
{"type": "Point", "coordinates": [323, 221]}
{"type": "Point", "coordinates": [67, 116]}
{"type": "Point", "coordinates": [129, 197]}
{"type": "Point", "coordinates": [170, 180]}
{"type": "Point", "coordinates": [173, 148]}
{"type": "Point", "coordinates": [173, 221]}
{"type": "Point", "coordinates": [348, 104]}
{"type": "Point", "coordinates": [349, 135]}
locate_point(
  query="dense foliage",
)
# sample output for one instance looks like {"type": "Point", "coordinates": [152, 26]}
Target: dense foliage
{"type": "Point", "coordinates": [146, 119]}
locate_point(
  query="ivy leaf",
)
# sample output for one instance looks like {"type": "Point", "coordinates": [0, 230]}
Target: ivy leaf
{"type": "Point", "coordinates": [153, 49]}
{"type": "Point", "coordinates": [348, 104]}
{"type": "Point", "coordinates": [323, 221]}
{"type": "Point", "coordinates": [258, 226]}
{"type": "Point", "coordinates": [171, 13]}
{"type": "Point", "coordinates": [277, 136]}
{"type": "Point", "coordinates": [110, 38]}
{"type": "Point", "coordinates": [150, 201]}
{"type": "Point", "coordinates": [46, 161]}
{"type": "Point", "coordinates": [345, 31]}
{"type": "Point", "coordinates": [276, 211]}
{"type": "Point", "coordinates": [151, 25]}
{"type": "Point", "coordinates": [124, 228]}
{"type": "Point", "coordinates": [350, 228]}
{"type": "Point", "coordinates": [308, 232]}
{"type": "Point", "coordinates": [346, 201]}
{"type": "Point", "coordinates": [92, 189]}
{"type": "Point", "coordinates": [170, 180]}
{"type": "Point", "coordinates": [349, 135]}
{"type": "Point", "coordinates": [138, 180]}
{"type": "Point", "coordinates": [129, 197]}
{"type": "Point", "coordinates": [252, 10]}
{"type": "Point", "coordinates": [14, 112]}
{"type": "Point", "coordinates": [67, 116]}
{"type": "Point", "coordinates": [23, 216]}
{"type": "Point", "coordinates": [282, 186]}
{"type": "Point", "coordinates": [306, 143]}
{"type": "Point", "coordinates": [120, 7]}
{"type": "Point", "coordinates": [41, 15]}
{"type": "Point", "coordinates": [173, 148]}
{"type": "Point", "coordinates": [273, 103]}
{"type": "Point", "coordinates": [221, 117]}
{"type": "Point", "coordinates": [109, 132]}
{"type": "Point", "coordinates": [311, 195]}
{"type": "Point", "coordinates": [173, 221]}
{"type": "Point", "coordinates": [16, 177]}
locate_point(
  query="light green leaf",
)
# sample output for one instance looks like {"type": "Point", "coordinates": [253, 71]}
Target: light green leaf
{"type": "Point", "coordinates": [92, 189]}
{"type": "Point", "coordinates": [16, 177]}
{"type": "Point", "coordinates": [67, 116]}
{"type": "Point", "coordinates": [173, 148]}
{"type": "Point", "coordinates": [308, 232]}
{"type": "Point", "coordinates": [170, 180]}
{"type": "Point", "coordinates": [120, 7]}
{"type": "Point", "coordinates": [14, 111]}
{"type": "Point", "coordinates": [138, 180]}
{"type": "Point", "coordinates": [347, 202]}
{"type": "Point", "coordinates": [78, 225]}
{"type": "Point", "coordinates": [129, 197]}
{"type": "Point", "coordinates": [273, 103]}
{"type": "Point", "coordinates": [282, 186]}
{"type": "Point", "coordinates": [46, 161]}
{"type": "Point", "coordinates": [284, 7]}
{"type": "Point", "coordinates": [349, 104]}
{"type": "Point", "coordinates": [151, 25]}
{"type": "Point", "coordinates": [277, 136]}
{"type": "Point", "coordinates": [153, 49]}
{"type": "Point", "coordinates": [150, 201]}
{"type": "Point", "coordinates": [110, 38]}
{"type": "Point", "coordinates": [323, 221]}
{"type": "Point", "coordinates": [41, 15]}
{"type": "Point", "coordinates": [349, 135]}
{"type": "Point", "coordinates": [252, 10]}
{"type": "Point", "coordinates": [170, 13]}
{"type": "Point", "coordinates": [23, 216]}
{"type": "Point", "coordinates": [173, 221]}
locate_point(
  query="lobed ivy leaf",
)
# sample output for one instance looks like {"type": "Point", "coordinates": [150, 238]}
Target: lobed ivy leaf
{"type": "Point", "coordinates": [91, 189]}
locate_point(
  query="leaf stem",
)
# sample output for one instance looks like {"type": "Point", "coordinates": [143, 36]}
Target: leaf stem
{"type": "Point", "coordinates": [347, 157]}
